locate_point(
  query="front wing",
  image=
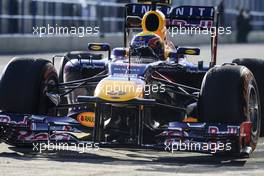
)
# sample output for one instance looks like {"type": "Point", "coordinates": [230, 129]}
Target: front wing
{"type": "Point", "coordinates": [19, 130]}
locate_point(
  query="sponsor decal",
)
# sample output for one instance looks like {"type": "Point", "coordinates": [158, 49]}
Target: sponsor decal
{"type": "Point", "coordinates": [232, 129]}
{"type": "Point", "coordinates": [7, 119]}
{"type": "Point", "coordinates": [24, 121]}
{"type": "Point", "coordinates": [190, 23]}
{"type": "Point", "coordinates": [96, 47]}
{"type": "Point", "coordinates": [141, 9]}
{"type": "Point", "coordinates": [226, 130]}
{"type": "Point", "coordinates": [194, 12]}
{"type": "Point", "coordinates": [213, 130]}
{"type": "Point", "coordinates": [190, 52]}
{"type": "Point", "coordinates": [87, 119]}
{"type": "Point", "coordinates": [4, 119]}
{"type": "Point", "coordinates": [30, 136]}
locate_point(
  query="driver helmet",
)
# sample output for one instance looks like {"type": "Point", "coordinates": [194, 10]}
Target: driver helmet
{"type": "Point", "coordinates": [151, 40]}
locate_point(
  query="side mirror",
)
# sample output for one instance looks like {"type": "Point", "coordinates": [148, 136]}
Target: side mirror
{"type": "Point", "coordinates": [188, 51]}
{"type": "Point", "coordinates": [120, 52]}
{"type": "Point", "coordinates": [100, 47]}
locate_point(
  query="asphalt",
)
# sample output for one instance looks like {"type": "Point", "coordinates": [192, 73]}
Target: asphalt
{"type": "Point", "coordinates": [130, 162]}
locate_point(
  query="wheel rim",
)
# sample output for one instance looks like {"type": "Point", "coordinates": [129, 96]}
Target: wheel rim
{"type": "Point", "coordinates": [253, 110]}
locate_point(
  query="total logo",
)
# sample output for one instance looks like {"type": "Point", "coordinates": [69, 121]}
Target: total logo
{"type": "Point", "coordinates": [86, 119]}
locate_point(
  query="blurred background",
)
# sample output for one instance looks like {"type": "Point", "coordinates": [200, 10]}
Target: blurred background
{"type": "Point", "coordinates": [18, 17]}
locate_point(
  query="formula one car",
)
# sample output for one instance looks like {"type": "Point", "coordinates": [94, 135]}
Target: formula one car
{"type": "Point", "coordinates": [144, 94]}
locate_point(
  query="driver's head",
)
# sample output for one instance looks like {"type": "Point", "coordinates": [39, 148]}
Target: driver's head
{"type": "Point", "coordinates": [148, 40]}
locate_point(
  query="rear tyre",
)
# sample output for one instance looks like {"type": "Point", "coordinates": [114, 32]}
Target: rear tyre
{"type": "Point", "coordinates": [24, 84]}
{"type": "Point", "coordinates": [229, 95]}
{"type": "Point", "coordinates": [256, 66]}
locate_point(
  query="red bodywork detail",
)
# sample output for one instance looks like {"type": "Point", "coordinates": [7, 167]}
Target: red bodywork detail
{"type": "Point", "coordinates": [245, 133]}
{"type": "Point", "coordinates": [213, 130]}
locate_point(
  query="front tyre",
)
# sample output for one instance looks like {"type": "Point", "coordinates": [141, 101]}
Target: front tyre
{"type": "Point", "coordinates": [229, 95]}
{"type": "Point", "coordinates": [256, 66]}
{"type": "Point", "coordinates": [24, 84]}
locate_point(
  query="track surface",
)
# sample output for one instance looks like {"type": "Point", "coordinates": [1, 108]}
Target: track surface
{"type": "Point", "coordinates": [119, 162]}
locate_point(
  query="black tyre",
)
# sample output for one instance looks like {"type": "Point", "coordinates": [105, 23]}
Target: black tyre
{"type": "Point", "coordinates": [24, 84]}
{"type": "Point", "coordinates": [256, 66]}
{"type": "Point", "coordinates": [229, 94]}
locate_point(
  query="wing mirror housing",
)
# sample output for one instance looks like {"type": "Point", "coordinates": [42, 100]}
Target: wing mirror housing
{"type": "Point", "coordinates": [188, 51]}
{"type": "Point", "coordinates": [99, 47]}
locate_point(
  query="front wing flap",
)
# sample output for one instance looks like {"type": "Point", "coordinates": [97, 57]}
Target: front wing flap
{"type": "Point", "coordinates": [199, 137]}
{"type": "Point", "coordinates": [18, 129]}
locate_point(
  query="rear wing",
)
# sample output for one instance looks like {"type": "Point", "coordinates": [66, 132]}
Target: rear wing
{"type": "Point", "coordinates": [202, 17]}
{"type": "Point", "coordinates": [187, 16]}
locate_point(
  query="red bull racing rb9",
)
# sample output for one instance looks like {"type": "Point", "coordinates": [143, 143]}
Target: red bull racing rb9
{"type": "Point", "coordinates": [144, 94]}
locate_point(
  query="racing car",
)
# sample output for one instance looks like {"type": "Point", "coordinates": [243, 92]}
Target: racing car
{"type": "Point", "coordinates": [145, 93]}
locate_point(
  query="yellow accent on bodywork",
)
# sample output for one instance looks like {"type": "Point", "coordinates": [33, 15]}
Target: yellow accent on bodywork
{"type": "Point", "coordinates": [190, 52]}
{"type": "Point", "coordinates": [122, 90]}
{"type": "Point", "coordinates": [161, 31]}
{"type": "Point", "coordinates": [190, 120]}
{"type": "Point", "coordinates": [96, 47]}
